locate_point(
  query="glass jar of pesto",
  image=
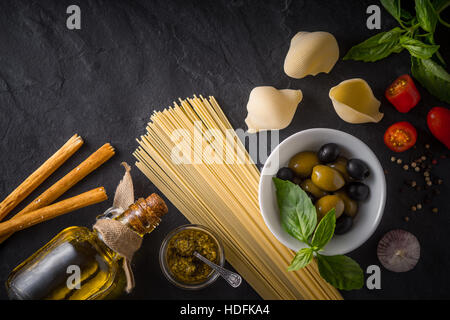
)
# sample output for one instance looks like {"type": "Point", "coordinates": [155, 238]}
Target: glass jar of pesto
{"type": "Point", "coordinates": [178, 262]}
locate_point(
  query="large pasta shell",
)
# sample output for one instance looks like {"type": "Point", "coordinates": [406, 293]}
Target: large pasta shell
{"type": "Point", "coordinates": [271, 109]}
{"type": "Point", "coordinates": [354, 102]}
{"type": "Point", "coordinates": [311, 53]}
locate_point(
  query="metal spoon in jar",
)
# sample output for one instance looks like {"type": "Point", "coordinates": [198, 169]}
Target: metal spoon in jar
{"type": "Point", "coordinates": [232, 278]}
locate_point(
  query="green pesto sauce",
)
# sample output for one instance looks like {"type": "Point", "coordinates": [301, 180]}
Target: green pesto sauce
{"type": "Point", "coordinates": [181, 261]}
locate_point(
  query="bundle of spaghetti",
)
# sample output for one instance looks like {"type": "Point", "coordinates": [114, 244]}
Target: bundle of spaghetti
{"type": "Point", "coordinates": [213, 182]}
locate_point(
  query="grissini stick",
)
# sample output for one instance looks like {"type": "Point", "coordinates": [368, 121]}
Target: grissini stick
{"type": "Point", "coordinates": [94, 161]}
{"type": "Point", "coordinates": [39, 176]}
{"type": "Point", "coordinates": [59, 208]}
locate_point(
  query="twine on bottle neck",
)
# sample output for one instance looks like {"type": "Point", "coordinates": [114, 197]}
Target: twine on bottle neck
{"type": "Point", "coordinates": [122, 240]}
{"type": "Point", "coordinates": [117, 236]}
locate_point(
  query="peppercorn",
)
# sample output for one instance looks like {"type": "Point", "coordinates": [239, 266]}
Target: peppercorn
{"type": "Point", "coordinates": [435, 210]}
{"type": "Point", "coordinates": [393, 159]}
{"type": "Point", "coordinates": [417, 169]}
{"type": "Point", "coordinates": [399, 161]}
{"type": "Point", "coordinates": [413, 208]}
{"type": "Point", "coordinates": [406, 219]}
{"type": "Point", "coordinates": [405, 167]}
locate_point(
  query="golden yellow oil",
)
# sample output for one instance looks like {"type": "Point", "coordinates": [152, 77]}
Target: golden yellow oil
{"type": "Point", "coordinates": [49, 273]}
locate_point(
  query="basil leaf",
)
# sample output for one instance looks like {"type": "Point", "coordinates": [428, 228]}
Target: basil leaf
{"type": "Point", "coordinates": [325, 230]}
{"type": "Point", "coordinates": [417, 48]}
{"type": "Point", "coordinates": [298, 214]}
{"type": "Point", "coordinates": [372, 50]}
{"type": "Point", "coordinates": [432, 76]}
{"type": "Point", "coordinates": [307, 216]}
{"type": "Point", "coordinates": [301, 259]}
{"type": "Point", "coordinates": [393, 7]}
{"type": "Point", "coordinates": [391, 35]}
{"type": "Point", "coordinates": [341, 272]}
{"type": "Point", "coordinates": [426, 15]}
{"type": "Point", "coordinates": [287, 204]}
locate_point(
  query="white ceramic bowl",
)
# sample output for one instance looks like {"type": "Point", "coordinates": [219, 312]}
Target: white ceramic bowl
{"type": "Point", "coordinates": [369, 211]}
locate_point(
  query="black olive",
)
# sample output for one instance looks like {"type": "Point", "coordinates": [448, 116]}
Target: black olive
{"type": "Point", "coordinates": [343, 224]}
{"type": "Point", "coordinates": [357, 191]}
{"type": "Point", "coordinates": [357, 169]}
{"type": "Point", "coordinates": [328, 152]}
{"type": "Point", "coordinates": [285, 174]}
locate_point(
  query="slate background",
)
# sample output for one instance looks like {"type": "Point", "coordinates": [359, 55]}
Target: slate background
{"type": "Point", "coordinates": [133, 57]}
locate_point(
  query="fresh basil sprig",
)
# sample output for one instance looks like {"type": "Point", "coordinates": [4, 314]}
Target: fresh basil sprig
{"type": "Point", "coordinates": [416, 35]}
{"type": "Point", "coordinates": [299, 219]}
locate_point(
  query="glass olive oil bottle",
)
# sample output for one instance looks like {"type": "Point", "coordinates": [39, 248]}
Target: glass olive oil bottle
{"type": "Point", "coordinates": [77, 265]}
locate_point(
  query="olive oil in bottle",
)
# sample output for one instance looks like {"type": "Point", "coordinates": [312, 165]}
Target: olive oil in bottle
{"type": "Point", "coordinates": [77, 264]}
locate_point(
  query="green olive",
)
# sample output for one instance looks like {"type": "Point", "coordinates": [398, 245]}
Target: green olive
{"type": "Point", "coordinates": [325, 204]}
{"type": "Point", "coordinates": [341, 165]}
{"type": "Point", "coordinates": [310, 187]}
{"type": "Point", "coordinates": [350, 205]}
{"type": "Point", "coordinates": [302, 163]}
{"type": "Point", "coordinates": [327, 178]}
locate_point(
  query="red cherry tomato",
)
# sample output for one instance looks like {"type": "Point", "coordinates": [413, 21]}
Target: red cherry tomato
{"type": "Point", "coordinates": [400, 136]}
{"type": "Point", "coordinates": [438, 120]}
{"type": "Point", "coordinates": [403, 94]}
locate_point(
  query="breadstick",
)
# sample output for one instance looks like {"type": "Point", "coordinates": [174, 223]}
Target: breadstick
{"type": "Point", "coordinates": [94, 161]}
{"type": "Point", "coordinates": [38, 176]}
{"type": "Point", "coordinates": [46, 213]}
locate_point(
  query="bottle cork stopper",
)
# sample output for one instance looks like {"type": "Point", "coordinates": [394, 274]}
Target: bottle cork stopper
{"type": "Point", "coordinates": [145, 214]}
{"type": "Point", "coordinates": [157, 205]}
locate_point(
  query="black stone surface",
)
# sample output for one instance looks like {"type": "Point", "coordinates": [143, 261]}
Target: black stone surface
{"type": "Point", "coordinates": [133, 57]}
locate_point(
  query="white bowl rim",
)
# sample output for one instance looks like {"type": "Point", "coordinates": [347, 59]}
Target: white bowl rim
{"type": "Point", "coordinates": [378, 167]}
